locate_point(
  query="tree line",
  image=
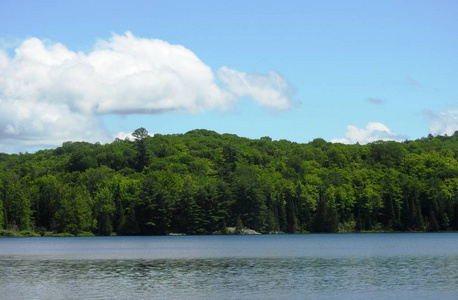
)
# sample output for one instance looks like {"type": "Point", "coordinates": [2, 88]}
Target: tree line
{"type": "Point", "coordinates": [202, 182]}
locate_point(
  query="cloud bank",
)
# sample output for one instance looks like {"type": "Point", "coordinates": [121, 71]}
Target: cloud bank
{"type": "Point", "coordinates": [50, 94]}
{"type": "Point", "coordinates": [374, 131]}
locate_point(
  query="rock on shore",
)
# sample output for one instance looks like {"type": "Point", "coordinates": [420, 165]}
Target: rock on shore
{"type": "Point", "coordinates": [246, 231]}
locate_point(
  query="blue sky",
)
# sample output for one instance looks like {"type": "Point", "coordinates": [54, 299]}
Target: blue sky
{"type": "Point", "coordinates": [345, 71]}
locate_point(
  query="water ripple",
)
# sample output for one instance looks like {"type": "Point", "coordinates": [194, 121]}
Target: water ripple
{"type": "Point", "coordinates": [215, 273]}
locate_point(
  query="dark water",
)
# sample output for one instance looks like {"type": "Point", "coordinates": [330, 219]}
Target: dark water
{"type": "Point", "coordinates": [350, 266]}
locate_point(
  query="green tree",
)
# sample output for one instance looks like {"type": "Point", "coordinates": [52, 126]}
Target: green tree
{"type": "Point", "coordinates": [46, 194]}
{"type": "Point", "coordinates": [119, 218]}
{"type": "Point", "coordinates": [250, 202]}
{"type": "Point", "coordinates": [104, 207]}
{"type": "Point", "coordinates": [2, 208]}
{"type": "Point", "coordinates": [73, 213]}
{"type": "Point", "coordinates": [142, 159]}
{"type": "Point", "coordinates": [17, 211]}
{"type": "Point", "coordinates": [325, 219]}
{"type": "Point", "coordinates": [159, 191]}
{"type": "Point", "coordinates": [186, 217]}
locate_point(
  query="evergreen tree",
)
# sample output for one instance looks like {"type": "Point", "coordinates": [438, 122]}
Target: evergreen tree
{"type": "Point", "coordinates": [142, 159]}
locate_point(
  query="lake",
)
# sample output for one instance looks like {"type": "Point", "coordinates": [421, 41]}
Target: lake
{"type": "Point", "coordinates": [316, 266]}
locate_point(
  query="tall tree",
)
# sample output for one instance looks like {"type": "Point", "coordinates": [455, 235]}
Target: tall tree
{"type": "Point", "coordinates": [142, 159]}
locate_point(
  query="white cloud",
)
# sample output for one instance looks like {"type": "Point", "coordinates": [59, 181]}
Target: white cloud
{"type": "Point", "coordinates": [374, 131]}
{"type": "Point", "coordinates": [123, 135]}
{"type": "Point", "coordinates": [25, 124]}
{"type": "Point", "coordinates": [3, 59]}
{"type": "Point", "coordinates": [50, 94]}
{"type": "Point", "coordinates": [269, 90]}
{"type": "Point", "coordinates": [123, 75]}
{"type": "Point", "coordinates": [443, 123]}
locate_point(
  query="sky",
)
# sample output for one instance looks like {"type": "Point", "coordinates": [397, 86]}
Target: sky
{"type": "Point", "coordinates": [345, 71]}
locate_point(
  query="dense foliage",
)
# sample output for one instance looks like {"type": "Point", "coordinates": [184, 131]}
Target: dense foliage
{"type": "Point", "coordinates": [200, 182]}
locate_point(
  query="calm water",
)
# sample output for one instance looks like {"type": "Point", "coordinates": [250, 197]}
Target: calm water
{"type": "Point", "coordinates": [349, 266]}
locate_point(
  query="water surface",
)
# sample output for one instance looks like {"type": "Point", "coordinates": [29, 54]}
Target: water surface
{"type": "Point", "coordinates": [345, 266]}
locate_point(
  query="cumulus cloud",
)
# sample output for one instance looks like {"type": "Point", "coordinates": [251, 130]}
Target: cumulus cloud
{"type": "Point", "coordinates": [374, 131]}
{"type": "Point", "coordinates": [123, 75]}
{"type": "Point", "coordinates": [443, 122]}
{"type": "Point", "coordinates": [50, 94]}
{"type": "Point", "coordinates": [36, 124]}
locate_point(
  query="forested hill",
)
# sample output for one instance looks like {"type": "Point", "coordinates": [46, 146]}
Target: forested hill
{"type": "Point", "coordinates": [202, 182]}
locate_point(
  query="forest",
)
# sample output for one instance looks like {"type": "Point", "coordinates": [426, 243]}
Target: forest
{"type": "Point", "coordinates": [203, 182]}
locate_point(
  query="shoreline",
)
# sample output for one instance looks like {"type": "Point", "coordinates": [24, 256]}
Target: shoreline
{"type": "Point", "coordinates": [244, 232]}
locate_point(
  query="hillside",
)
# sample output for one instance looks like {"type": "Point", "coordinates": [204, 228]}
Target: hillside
{"type": "Point", "coordinates": [202, 182]}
